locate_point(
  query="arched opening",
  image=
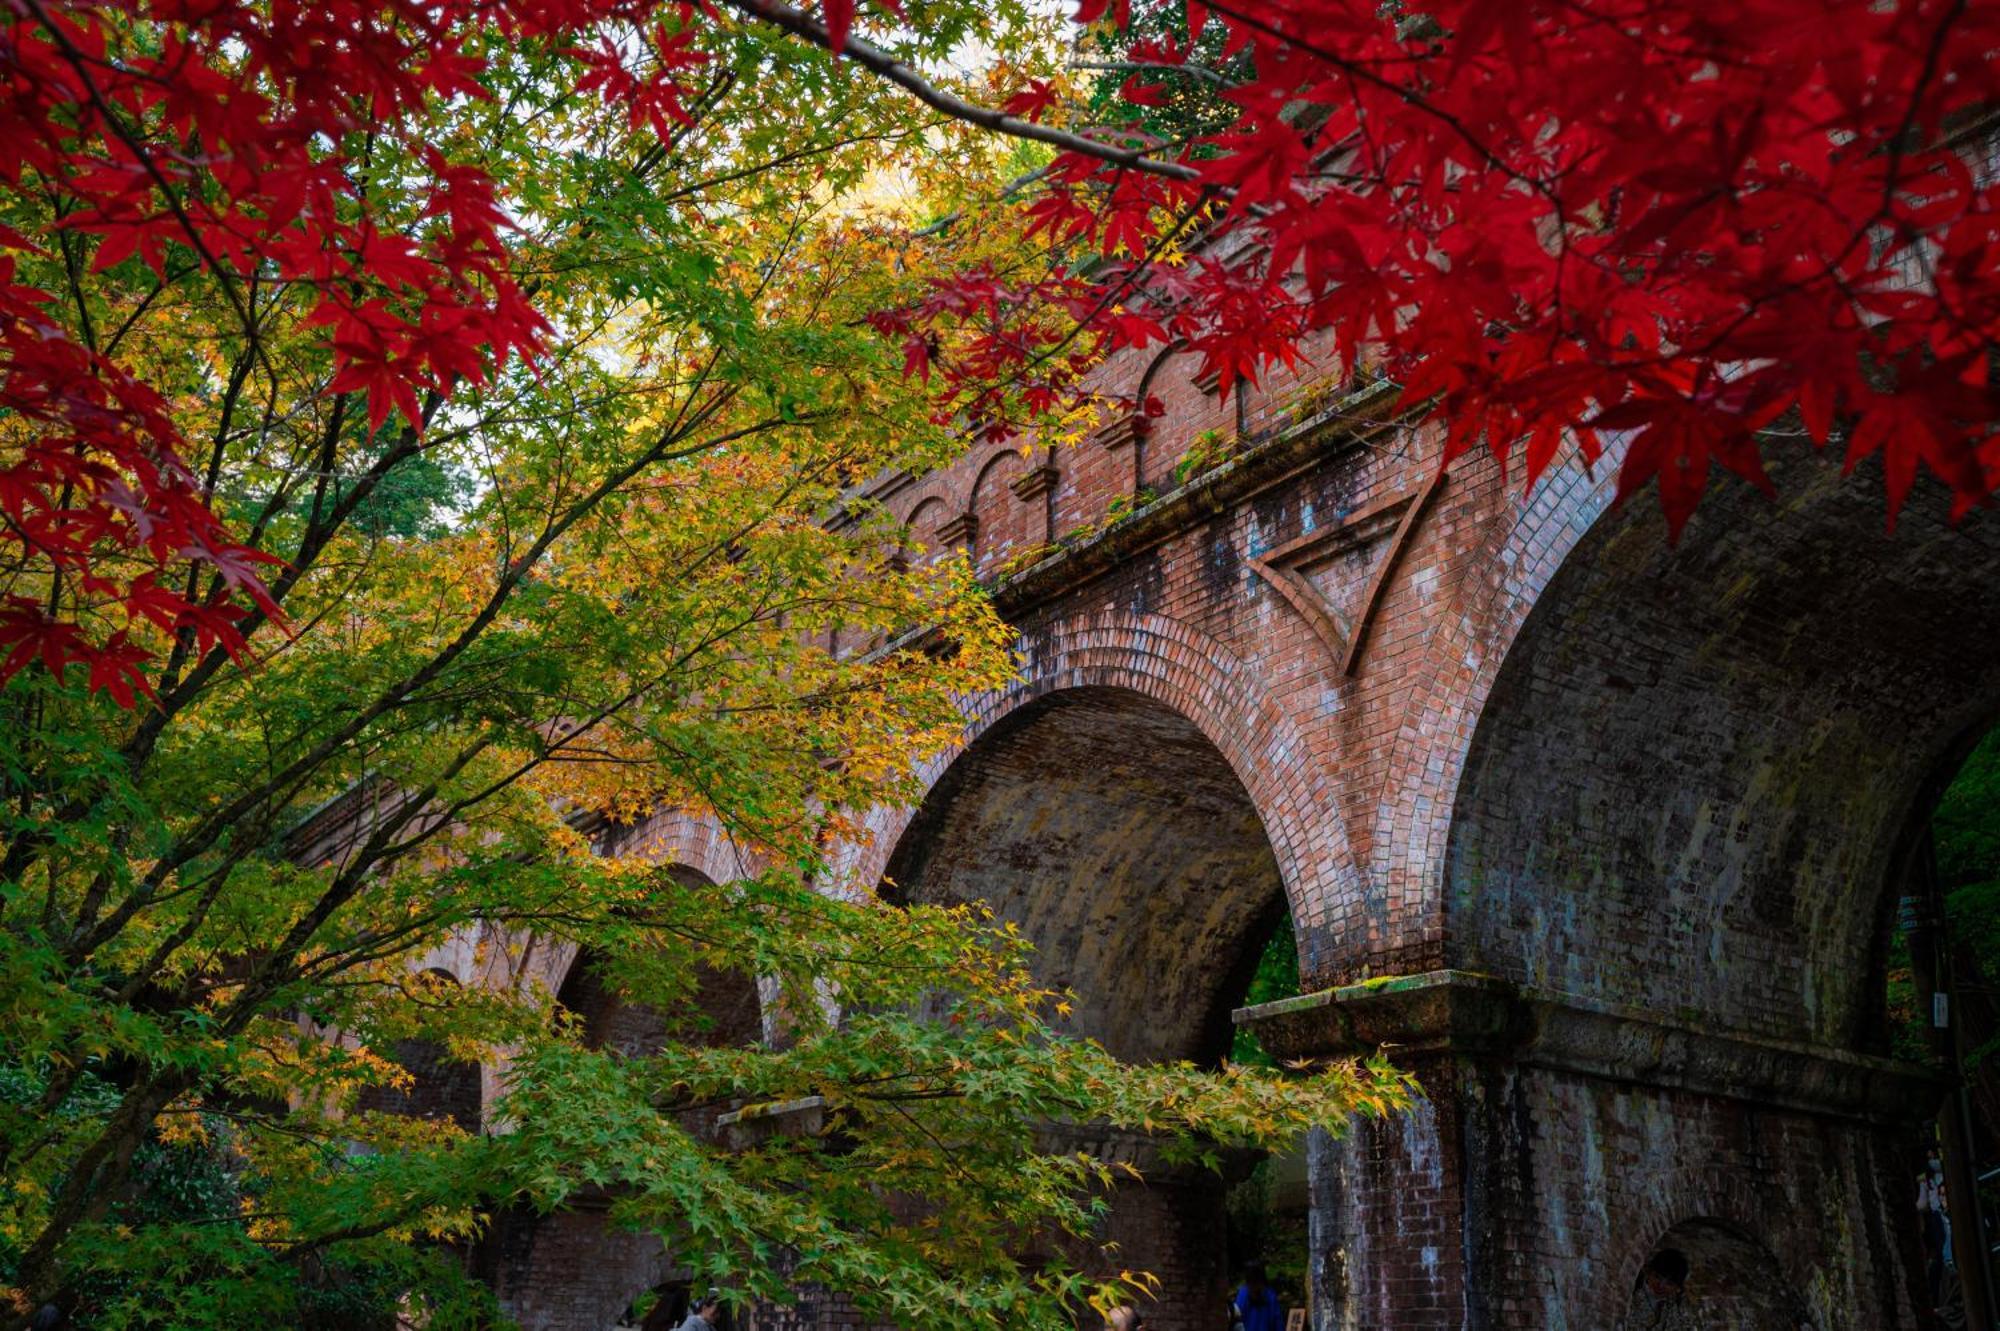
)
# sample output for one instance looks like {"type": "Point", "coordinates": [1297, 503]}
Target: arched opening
{"type": "Point", "coordinates": [1115, 834]}
{"type": "Point", "coordinates": [722, 1011]}
{"type": "Point", "coordinates": [1270, 1208]}
{"type": "Point", "coordinates": [1943, 1011]}
{"type": "Point", "coordinates": [439, 1087]}
{"type": "Point", "coordinates": [572, 1268]}
{"type": "Point", "coordinates": [1706, 1276]}
{"type": "Point", "coordinates": [1693, 795]}
{"type": "Point", "coordinates": [664, 1307]}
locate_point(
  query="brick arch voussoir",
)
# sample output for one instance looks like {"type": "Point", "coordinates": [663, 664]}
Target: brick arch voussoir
{"type": "Point", "coordinates": [1198, 677]}
{"type": "Point", "coordinates": [934, 497]}
{"type": "Point", "coordinates": [459, 956]}
{"type": "Point", "coordinates": [1695, 1195]}
{"type": "Point", "coordinates": [1519, 549]}
{"type": "Point", "coordinates": [674, 838]}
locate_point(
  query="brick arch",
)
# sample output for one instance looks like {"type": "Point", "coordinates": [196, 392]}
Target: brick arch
{"type": "Point", "coordinates": [687, 839]}
{"type": "Point", "coordinates": [1695, 773]}
{"type": "Point", "coordinates": [1182, 669]}
{"type": "Point", "coordinates": [1519, 545]}
{"type": "Point", "coordinates": [928, 502]}
{"type": "Point", "coordinates": [1734, 1281]}
{"type": "Point", "coordinates": [681, 840]}
{"type": "Point", "coordinates": [726, 1007]}
{"type": "Point", "coordinates": [569, 1270]}
{"type": "Point", "coordinates": [1688, 1199]}
{"type": "Point", "coordinates": [1111, 833]}
{"type": "Point", "coordinates": [1142, 810]}
{"type": "Point", "coordinates": [1677, 783]}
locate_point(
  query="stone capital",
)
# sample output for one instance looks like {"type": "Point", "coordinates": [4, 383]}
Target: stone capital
{"type": "Point", "coordinates": [1029, 484]}
{"type": "Point", "coordinates": [1122, 430]}
{"type": "Point", "coordinates": [961, 530]}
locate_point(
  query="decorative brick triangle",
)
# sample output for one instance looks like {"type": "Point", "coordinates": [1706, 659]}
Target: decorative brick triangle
{"type": "Point", "coordinates": [1280, 566]}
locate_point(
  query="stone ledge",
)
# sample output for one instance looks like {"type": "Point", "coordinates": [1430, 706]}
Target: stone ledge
{"type": "Point", "coordinates": [1122, 430]}
{"type": "Point", "coordinates": [1040, 481]}
{"type": "Point", "coordinates": [1449, 1012]}
{"type": "Point", "coordinates": [960, 530]}
{"type": "Point", "coordinates": [746, 1127]}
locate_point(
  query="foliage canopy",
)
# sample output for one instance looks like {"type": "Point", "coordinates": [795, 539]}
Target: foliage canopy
{"type": "Point", "coordinates": [447, 422]}
{"type": "Point", "coordinates": [455, 408]}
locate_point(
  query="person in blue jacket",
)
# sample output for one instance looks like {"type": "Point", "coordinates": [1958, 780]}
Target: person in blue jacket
{"type": "Point", "coordinates": [1257, 1306]}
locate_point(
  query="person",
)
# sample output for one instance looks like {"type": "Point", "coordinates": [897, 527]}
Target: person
{"type": "Point", "coordinates": [1662, 1303]}
{"type": "Point", "coordinates": [1256, 1303]}
{"type": "Point", "coordinates": [705, 1314]}
{"type": "Point", "coordinates": [1124, 1318]}
{"type": "Point", "coordinates": [1936, 1220]}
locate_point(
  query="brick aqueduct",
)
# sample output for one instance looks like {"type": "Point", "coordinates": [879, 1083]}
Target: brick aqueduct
{"type": "Point", "coordinates": [1600, 835]}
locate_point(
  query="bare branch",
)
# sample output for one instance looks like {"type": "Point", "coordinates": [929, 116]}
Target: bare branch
{"type": "Point", "coordinates": [880, 62]}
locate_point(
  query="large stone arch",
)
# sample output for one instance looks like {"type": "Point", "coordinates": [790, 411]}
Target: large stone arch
{"type": "Point", "coordinates": [1143, 811]}
{"type": "Point", "coordinates": [1178, 668]}
{"type": "Point", "coordinates": [1696, 775]}
{"type": "Point", "coordinates": [1655, 800]}
{"type": "Point", "coordinates": [1113, 835]}
{"type": "Point", "coordinates": [688, 843]}
{"type": "Point", "coordinates": [1668, 853]}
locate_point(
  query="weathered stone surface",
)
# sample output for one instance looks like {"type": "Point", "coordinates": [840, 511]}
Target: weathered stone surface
{"type": "Point", "coordinates": [1463, 1013]}
{"type": "Point", "coordinates": [1618, 819]}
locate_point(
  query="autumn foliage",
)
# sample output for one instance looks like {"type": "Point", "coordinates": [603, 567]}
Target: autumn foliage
{"type": "Point", "coordinates": [434, 438]}
{"type": "Point", "coordinates": [200, 135]}
{"type": "Point", "coordinates": [459, 412]}
{"type": "Point", "coordinates": [1660, 227]}
{"type": "Point", "coordinates": [1614, 221]}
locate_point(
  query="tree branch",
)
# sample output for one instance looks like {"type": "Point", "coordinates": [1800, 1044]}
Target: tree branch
{"type": "Point", "coordinates": [880, 62]}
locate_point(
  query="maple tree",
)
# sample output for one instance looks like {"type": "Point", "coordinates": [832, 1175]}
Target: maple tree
{"type": "Point", "coordinates": [451, 421]}
{"type": "Point", "coordinates": [1598, 222]}
{"type": "Point", "coordinates": [1612, 224]}
{"type": "Point", "coordinates": [447, 397]}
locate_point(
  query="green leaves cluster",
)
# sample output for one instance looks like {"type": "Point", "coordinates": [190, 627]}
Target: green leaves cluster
{"type": "Point", "coordinates": [641, 573]}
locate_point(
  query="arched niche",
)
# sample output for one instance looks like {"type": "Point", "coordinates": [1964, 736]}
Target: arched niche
{"type": "Point", "coordinates": [1705, 1275]}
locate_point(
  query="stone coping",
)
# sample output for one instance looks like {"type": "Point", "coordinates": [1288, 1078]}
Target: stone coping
{"type": "Point", "coordinates": [1454, 1012]}
{"type": "Point", "coordinates": [1348, 423]}
{"type": "Point", "coordinates": [1146, 1153]}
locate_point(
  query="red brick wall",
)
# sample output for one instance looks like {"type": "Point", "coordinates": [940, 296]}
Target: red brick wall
{"type": "Point", "coordinates": [1571, 754]}
{"type": "Point", "coordinates": [1674, 778]}
{"type": "Point", "coordinates": [569, 1271]}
